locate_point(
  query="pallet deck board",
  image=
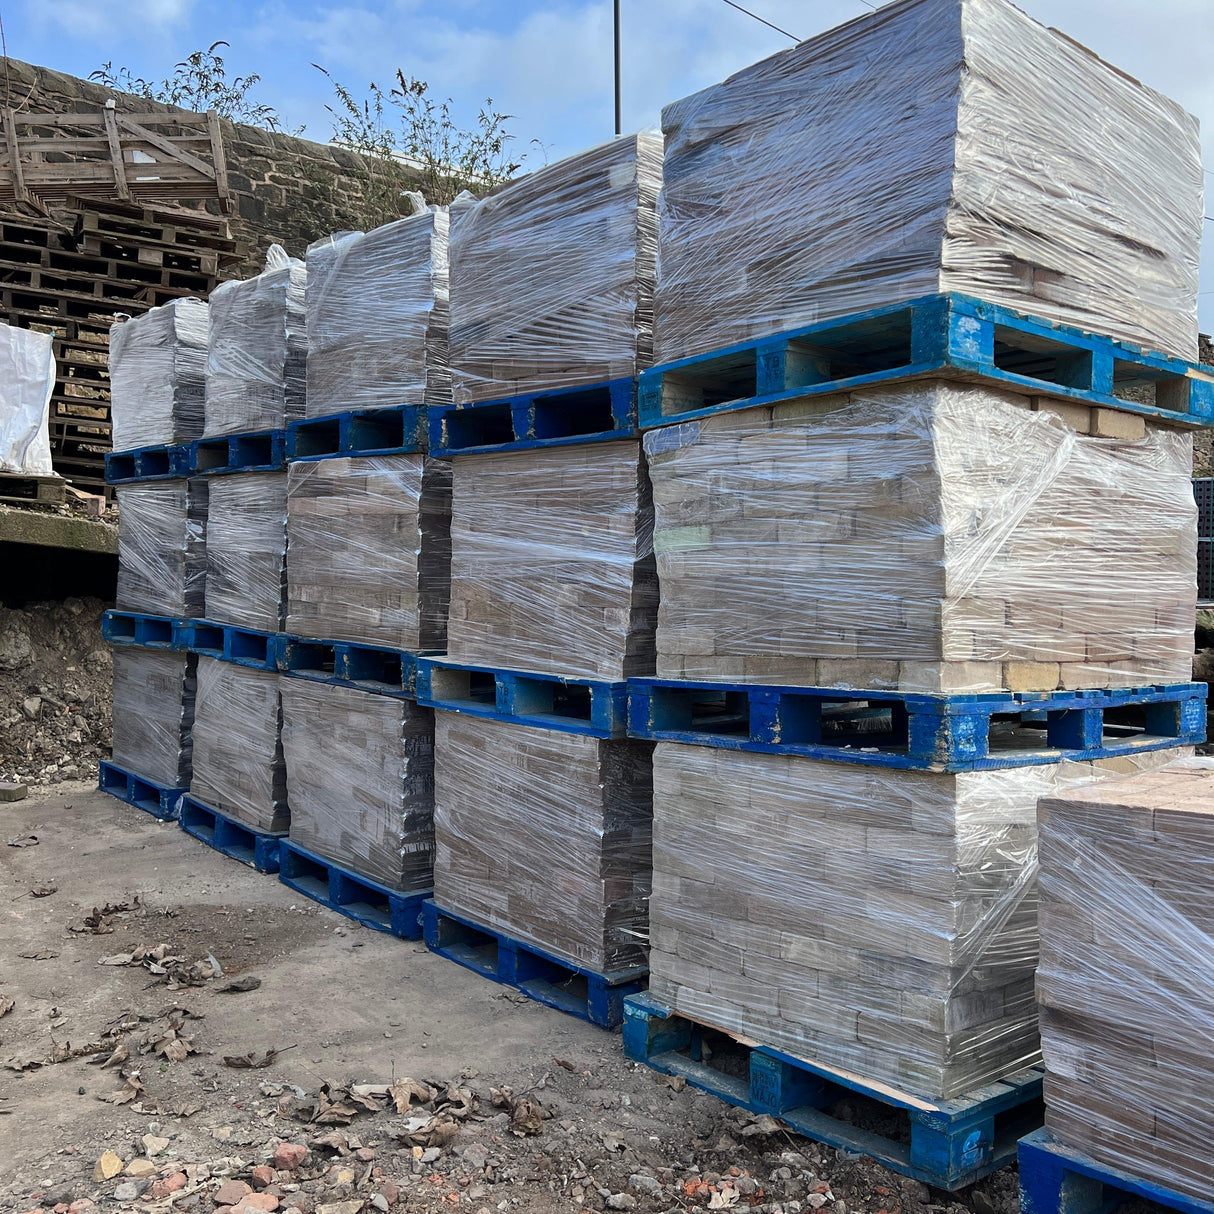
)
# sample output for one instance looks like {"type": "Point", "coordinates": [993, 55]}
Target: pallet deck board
{"type": "Point", "coordinates": [1055, 1179]}
{"type": "Point", "coordinates": [585, 706]}
{"type": "Point", "coordinates": [254, 451]}
{"type": "Point", "coordinates": [373, 668]}
{"type": "Point", "coordinates": [153, 798]}
{"type": "Point", "coordinates": [45, 490]}
{"type": "Point", "coordinates": [163, 462]}
{"type": "Point", "coordinates": [377, 906]}
{"type": "Point", "coordinates": [492, 953]}
{"type": "Point", "coordinates": [918, 732]}
{"type": "Point", "coordinates": [395, 431]}
{"type": "Point", "coordinates": [258, 849]}
{"type": "Point", "coordinates": [949, 336]}
{"type": "Point", "coordinates": [952, 1143]}
{"type": "Point", "coordinates": [591, 413]}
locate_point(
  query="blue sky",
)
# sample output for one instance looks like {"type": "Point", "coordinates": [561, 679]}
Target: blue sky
{"type": "Point", "coordinates": [548, 62]}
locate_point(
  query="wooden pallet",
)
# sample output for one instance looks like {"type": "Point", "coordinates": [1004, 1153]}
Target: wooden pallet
{"type": "Point", "coordinates": [46, 490]}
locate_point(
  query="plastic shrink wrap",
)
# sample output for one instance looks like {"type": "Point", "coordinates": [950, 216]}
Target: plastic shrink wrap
{"type": "Point", "coordinates": [238, 762]}
{"type": "Point", "coordinates": [552, 274]}
{"type": "Point", "coordinates": [162, 547]}
{"type": "Point", "coordinates": [875, 920]}
{"type": "Point", "coordinates": [1000, 159]}
{"type": "Point", "coordinates": [27, 379]}
{"type": "Point", "coordinates": [158, 367]}
{"type": "Point", "coordinates": [154, 714]}
{"type": "Point", "coordinates": [256, 375]}
{"type": "Point", "coordinates": [360, 778]}
{"type": "Point", "coordinates": [925, 536]}
{"type": "Point", "coordinates": [552, 566]}
{"type": "Point", "coordinates": [369, 550]}
{"type": "Point", "coordinates": [544, 836]}
{"type": "Point", "coordinates": [377, 312]}
{"type": "Point", "coordinates": [246, 549]}
{"type": "Point", "coordinates": [1126, 982]}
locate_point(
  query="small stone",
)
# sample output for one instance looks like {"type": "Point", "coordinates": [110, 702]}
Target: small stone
{"type": "Point", "coordinates": [32, 706]}
{"type": "Point", "coordinates": [840, 1207]}
{"type": "Point", "coordinates": [262, 1176]}
{"type": "Point", "coordinates": [222, 1133]}
{"type": "Point", "coordinates": [153, 1146]}
{"type": "Point", "coordinates": [289, 1155]}
{"type": "Point", "coordinates": [916, 1189]}
{"type": "Point", "coordinates": [816, 1200]}
{"type": "Point", "coordinates": [253, 1202]}
{"type": "Point", "coordinates": [128, 1190]}
{"type": "Point", "coordinates": [80, 1207]}
{"type": "Point", "coordinates": [390, 1191]}
{"type": "Point", "coordinates": [344, 1176]}
{"type": "Point", "coordinates": [140, 1168]}
{"type": "Point", "coordinates": [621, 1201]}
{"type": "Point", "coordinates": [380, 1202]}
{"type": "Point", "coordinates": [644, 1184]}
{"type": "Point", "coordinates": [170, 1184]}
{"type": "Point", "coordinates": [108, 1166]}
{"type": "Point", "coordinates": [366, 1154]}
{"type": "Point", "coordinates": [746, 1185]}
{"type": "Point", "coordinates": [430, 1154]}
{"type": "Point", "coordinates": [230, 1192]}
{"type": "Point", "coordinates": [12, 792]}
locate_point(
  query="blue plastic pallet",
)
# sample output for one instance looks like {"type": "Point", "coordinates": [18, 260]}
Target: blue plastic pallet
{"type": "Point", "coordinates": [143, 629]}
{"type": "Point", "coordinates": [152, 798]}
{"type": "Point", "coordinates": [919, 732]}
{"type": "Point", "coordinates": [1058, 1180]}
{"type": "Point", "coordinates": [149, 464]}
{"type": "Point", "coordinates": [598, 998]}
{"type": "Point", "coordinates": [393, 431]}
{"type": "Point", "coordinates": [358, 898]}
{"type": "Point", "coordinates": [952, 1142]}
{"type": "Point", "coordinates": [259, 849]}
{"type": "Point", "coordinates": [585, 706]}
{"type": "Point", "coordinates": [951, 335]}
{"type": "Point", "coordinates": [595, 413]}
{"type": "Point", "coordinates": [259, 451]}
{"type": "Point", "coordinates": [390, 672]}
{"type": "Point", "coordinates": [242, 646]}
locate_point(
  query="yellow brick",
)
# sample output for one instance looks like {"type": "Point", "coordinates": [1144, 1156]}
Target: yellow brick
{"type": "Point", "coordinates": [1077, 417]}
{"type": "Point", "coordinates": [1113, 423]}
{"type": "Point", "coordinates": [1030, 676]}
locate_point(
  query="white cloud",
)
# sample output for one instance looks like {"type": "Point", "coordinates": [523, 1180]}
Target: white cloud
{"type": "Point", "coordinates": [109, 18]}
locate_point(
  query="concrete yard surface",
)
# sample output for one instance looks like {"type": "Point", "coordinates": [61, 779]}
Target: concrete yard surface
{"type": "Point", "coordinates": [515, 1106]}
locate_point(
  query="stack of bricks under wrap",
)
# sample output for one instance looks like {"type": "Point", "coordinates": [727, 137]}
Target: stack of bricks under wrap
{"type": "Point", "coordinates": [360, 778]}
{"type": "Point", "coordinates": [154, 714]}
{"type": "Point", "coordinates": [157, 365]}
{"type": "Point", "coordinates": [27, 380]}
{"type": "Point", "coordinates": [377, 310]}
{"type": "Point", "coordinates": [162, 547]}
{"type": "Point", "coordinates": [552, 274]}
{"type": "Point", "coordinates": [369, 550]}
{"type": "Point", "coordinates": [256, 375]}
{"type": "Point", "coordinates": [928, 537]}
{"type": "Point", "coordinates": [1126, 982]}
{"type": "Point", "coordinates": [246, 549]}
{"type": "Point", "coordinates": [238, 761]}
{"type": "Point", "coordinates": [552, 566]}
{"type": "Point", "coordinates": [1000, 159]}
{"type": "Point", "coordinates": [545, 836]}
{"type": "Point", "coordinates": [876, 920]}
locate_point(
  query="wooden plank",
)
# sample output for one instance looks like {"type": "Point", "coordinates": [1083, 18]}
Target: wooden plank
{"type": "Point", "coordinates": [165, 145]}
{"type": "Point", "coordinates": [91, 119]}
{"type": "Point", "coordinates": [10, 133]}
{"type": "Point", "coordinates": [115, 145]}
{"type": "Point", "coordinates": [221, 164]}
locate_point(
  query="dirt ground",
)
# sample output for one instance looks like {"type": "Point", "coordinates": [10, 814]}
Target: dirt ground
{"type": "Point", "coordinates": [515, 1106]}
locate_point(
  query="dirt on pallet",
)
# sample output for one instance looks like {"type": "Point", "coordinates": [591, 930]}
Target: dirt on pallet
{"type": "Point", "coordinates": [184, 1032]}
{"type": "Point", "coordinates": [56, 693]}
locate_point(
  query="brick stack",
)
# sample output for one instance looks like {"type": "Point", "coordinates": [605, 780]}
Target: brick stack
{"type": "Point", "coordinates": [1126, 983]}
{"type": "Point", "coordinates": [541, 833]}
{"type": "Point", "coordinates": [920, 536]}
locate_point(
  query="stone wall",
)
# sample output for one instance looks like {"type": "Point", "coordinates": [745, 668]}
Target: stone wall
{"type": "Point", "coordinates": [287, 190]}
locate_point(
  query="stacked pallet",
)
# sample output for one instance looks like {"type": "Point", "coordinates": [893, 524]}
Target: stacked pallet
{"type": "Point", "coordinates": [1126, 983]}
{"type": "Point", "coordinates": [542, 811]}
{"type": "Point", "coordinates": [934, 534]}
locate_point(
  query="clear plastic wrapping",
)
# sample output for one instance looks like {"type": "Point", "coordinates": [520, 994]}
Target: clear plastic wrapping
{"type": "Point", "coordinates": [928, 537]}
{"type": "Point", "coordinates": [27, 379]}
{"type": "Point", "coordinates": [377, 313]}
{"type": "Point", "coordinates": [158, 365]}
{"type": "Point", "coordinates": [1126, 982]}
{"type": "Point", "coordinates": [552, 274]}
{"type": "Point", "coordinates": [999, 159]}
{"type": "Point", "coordinates": [238, 764]}
{"type": "Point", "coordinates": [256, 376]}
{"type": "Point", "coordinates": [360, 777]}
{"type": "Point", "coordinates": [154, 714]}
{"type": "Point", "coordinates": [246, 548]}
{"type": "Point", "coordinates": [552, 565]}
{"type": "Point", "coordinates": [877, 920]}
{"type": "Point", "coordinates": [544, 836]}
{"type": "Point", "coordinates": [162, 547]}
{"type": "Point", "coordinates": [369, 550]}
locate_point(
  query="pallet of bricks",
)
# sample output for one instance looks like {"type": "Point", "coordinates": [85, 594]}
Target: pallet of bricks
{"type": "Point", "coordinates": [68, 275]}
{"type": "Point", "coordinates": [919, 433]}
{"type": "Point", "coordinates": [542, 806]}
